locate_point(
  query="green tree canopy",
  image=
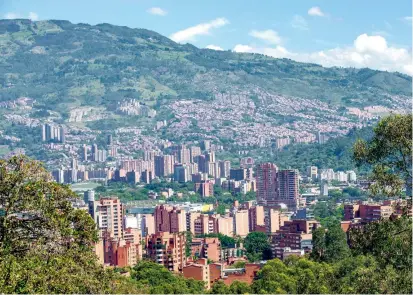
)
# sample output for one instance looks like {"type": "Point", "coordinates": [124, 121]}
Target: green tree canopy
{"type": "Point", "coordinates": [257, 245]}
{"type": "Point", "coordinates": [46, 246]}
{"type": "Point", "coordinates": [389, 153]}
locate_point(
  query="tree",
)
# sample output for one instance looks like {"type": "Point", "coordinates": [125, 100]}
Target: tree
{"type": "Point", "coordinates": [161, 281]}
{"type": "Point", "coordinates": [389, 154]}
{"type": "Point", "coordinates": [219, 288]}
{"type": "Point", "coordinates": [46, 246]}
{"type": "Point", "coordinates": [336, 243]}
{"type": "Point", "coordinates": [257, 246]}
{"type": "Point", "coordinates": [388, 240]}
{"type": "Point", "coordinates": [330, 244]}
{"type": "Point", "coordinates": [221, 209]}
{"type": "Point", "coordinates": [319, 244]}
{"type": "Point", "coordinates": [238, 287]}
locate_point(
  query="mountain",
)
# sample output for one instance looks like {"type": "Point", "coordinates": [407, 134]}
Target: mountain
{"type": "Point", "coordinates": [106, 77]}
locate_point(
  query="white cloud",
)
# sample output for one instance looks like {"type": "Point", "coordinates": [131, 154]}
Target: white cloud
{"type": "Point", "coordinates": [12, 15]}
{"type": "Point", "coordinates": [201, 29]}
{"type": "Point", "coordinates": [269, 36]}
{"type": "Point", "coordinates": [316, 11]}
{"type": "Point", "coordinates": [157, 11]}
{"type": "Point", "coordinates": [299, 22]}
{"type": "Point", "coordinates": [243, 48]}
{"type": "Point", "coordinates": [33, 16]}
{"type": "Point", "coordinates": [407, 20]}
{"type": "Point", "coordinates": [214, 47]}
{"type": "Point", "coordinates": [367, 51]}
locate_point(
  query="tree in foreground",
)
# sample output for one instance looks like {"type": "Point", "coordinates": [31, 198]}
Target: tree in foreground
{"type": "Point", "coordinates": [257, 245]}
{"type": "Point", "coordinates": [46, 246]}
{"type": "Point", "coordinates": [389, 153]}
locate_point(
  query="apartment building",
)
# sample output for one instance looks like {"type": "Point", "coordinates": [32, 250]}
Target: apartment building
{"type": "Point", "coordinates": [167, 249]}
{"type": "Point", "coordinates": [294, 234]}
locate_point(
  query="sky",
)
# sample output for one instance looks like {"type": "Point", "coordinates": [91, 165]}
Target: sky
{"type": "Point", "coordinates": [350, 33]}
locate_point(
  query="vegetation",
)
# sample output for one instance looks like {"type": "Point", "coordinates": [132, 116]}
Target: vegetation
{"type": "Point", "coordinates": [258, 247]}
{"type": "Point", "coordinates": [336, 153]}
{"type": "Point", "coordinates": [389, 152]}
{"type": "Point", "coordinates": [330, 245]}
{"type": "Point", "coordinates": [46, 246]}
{"type": "Point", "coordinates": [226, 241]}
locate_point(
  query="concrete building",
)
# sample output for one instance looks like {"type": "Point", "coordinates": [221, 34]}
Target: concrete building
{"type": "Point", "coordinates": [312, 173]}
{"type": "Point", "coordinates": [107, 213]}
{"type": "Point", "coordinates": [294, 234]}
{"type": "Point", "coordinates": [169, 219]}
{"type": "Point", "coordinates": [199, 271]}
{"type": "Point", "coordinates": [164, 165]}
{"type": "Point", "coordinates": [167, 249]}
{"type": "Point", "coordinates": [226, 225]}
{"type": "Point", "coordinates": [238, 174]}
{"type": "Point", "coordinates": [288, 188]}
{"type": "Point", "coordinates": [224, 168]}
{"type": "Point", "coordinates": [267, 185]}
{"type": "Point", "coordinates": [205, 224]}
{"type": "Point", "coordinates": [274, 219]}
{"type": "Point", "coordinates": [241, 223]}
{"type": "Point", "coordinates": [209, 248]}
{"type": "Point", "coordinates": [205, 188]}
{"type": "Point", "coordinates": [256, 217]}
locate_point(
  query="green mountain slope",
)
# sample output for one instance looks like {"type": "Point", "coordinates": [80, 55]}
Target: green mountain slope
{"type": "Point", "coordinates": [335, 154]}
{"type": "Point", "coordinates": [85, 76]}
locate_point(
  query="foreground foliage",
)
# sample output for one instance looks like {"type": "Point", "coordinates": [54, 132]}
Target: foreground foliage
{"type": "Point", "coordinates": [46, 246]}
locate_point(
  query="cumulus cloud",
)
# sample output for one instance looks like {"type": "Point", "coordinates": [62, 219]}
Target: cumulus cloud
{"type": "Point", "coordinates": [316, 11]}
{"type": "Point", "coordinates": [268, 36]}
{"type": "Point", "coordinates": [190, 33]}
{"type": "Point", "coordinates": [12, 15]}
{"type": "Point", "coordinates": [214, 47]}
{"type": "Point", "coordinates": [244, 48]}
{"type": "Point", "coordinates": [366, 51]}
{"type": "Point", "coordinates": [299, 22]}
{"type": "Point", "coordinates": [157, 11]}
{"type": "Point", "coordinates": [33, 16]}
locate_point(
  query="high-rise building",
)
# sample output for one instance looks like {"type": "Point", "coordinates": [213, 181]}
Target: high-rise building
{"type": "Point", "coordinates": [181, 173]}
{"type": "Point", "coordinates": [84, 152]}
{"type": "Point", "coordinates": [281, 142]}
{"type": "Point", "coordinates": [321, 138]}
{"type": "Point", "coordinates": [312, 173]}
{"type": "Point", "coordinates": [210, 156]}
{"type": "Point", "coordinates": [62, 134]}
{"type": "Point", "coordinates": [167, 249]}
{"type": "Point", "coordinates": [164, 165]}
{"type": "Point", "coordinates": [238, 174]}
{"type": "Point", "coordinates": [241, 223]}
{"type": "Point", "coordinates": [89, 196]}
{"type": "Point", "coordinates": [206, 145]}
{"type": "Point", "coordinates": [53, 133]}
{"type": "Point", "coordinates": [169, 219]}
{"type": "Point", "coordinates": [205, 224]}
{"type": "Point", "coordinates": [226, 225]}
{"type": "Point", "coordinates": [267, 184]}
{"type": "Point", "coordinates": [256, 217]}
{"type": "Point", "coordinates": [109, 139]}
{"type": "Point", "coordinates": [107, 213]}
{"type": "Point", "coordinates": [224, 168]}
{"type": "Point", "coordinates": [288, 188]}
{"type": "Point", "coordinates": [195, 151]}
{"type": "Point", "coordinates": [205, 188]}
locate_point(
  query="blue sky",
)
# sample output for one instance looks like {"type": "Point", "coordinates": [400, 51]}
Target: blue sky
{"type": "Point", "coordinates": [373, 33]}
